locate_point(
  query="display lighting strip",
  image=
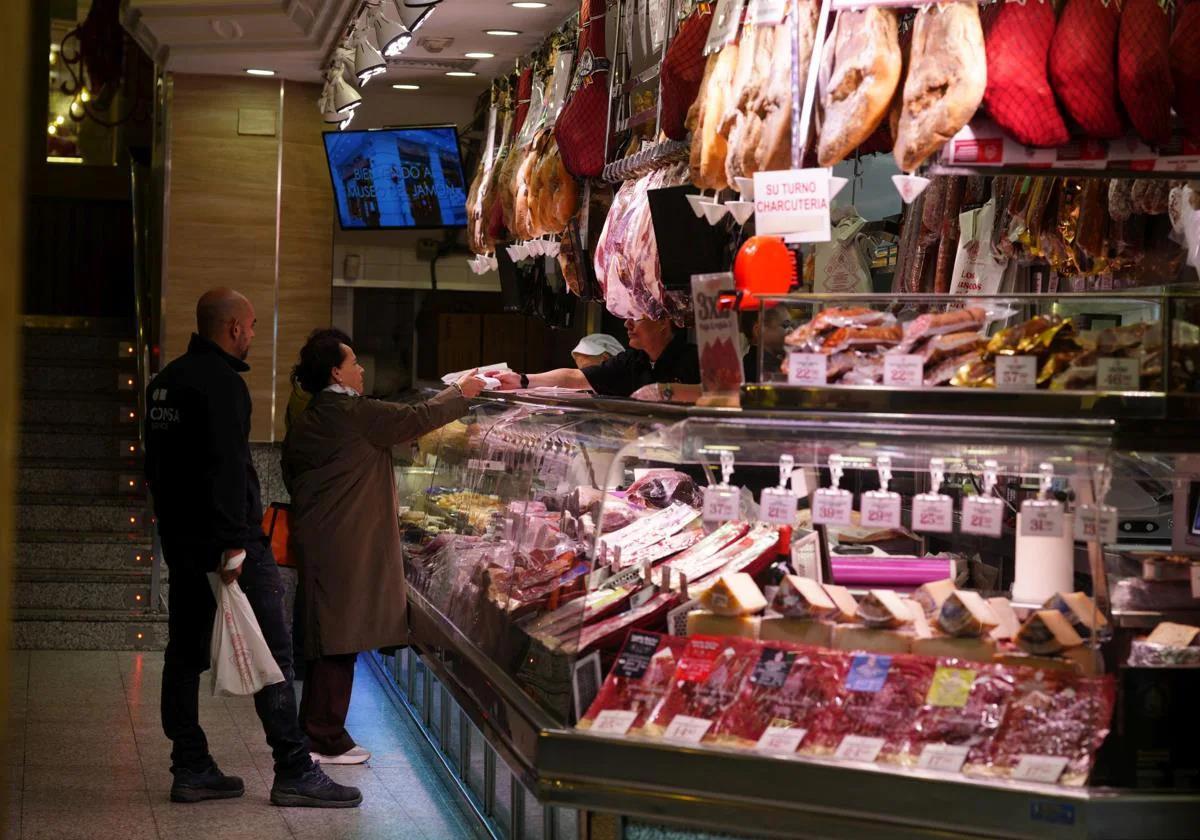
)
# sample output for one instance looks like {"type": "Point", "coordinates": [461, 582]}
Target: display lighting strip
{"type": "Point", "coordinates": [378, 30]}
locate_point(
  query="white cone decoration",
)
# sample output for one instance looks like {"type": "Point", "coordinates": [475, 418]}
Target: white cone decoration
{"type": "Point", "coordinates": [909, 186]}
{"type": "Point", "coordinates": [741, 210]}
{"type": "Point", "coordinates": [715, 212]}
{"type": "Point", "coordinates": [745, 186]}
{"type": "Point", "coordinates": [697, 202]}
{"type": "Point", "coordinates": [835, 185]}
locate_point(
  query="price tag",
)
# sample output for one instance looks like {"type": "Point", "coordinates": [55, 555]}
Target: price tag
{"type": "Point", "coordinates": [778, 507]}
{"type": "Point", "coordinates": [687, 729]}
{"type": "Point", "coordinates": [903, 370]}
{"type": "Point", "coordinates": [983, 516]}
{"type": "Point", "coordinates": [614, 721]}
{"type": "Point", "coordinates": [808, 369]}
{"type": "Point", "coordinates": [1039, 768]}
{"type": "Point", "coordinates": [858, 748]}
{"type": "Point", "coordinates": [726, 20]}
{"type": "Point", "coordinates": [1016, 373]}
{"type": "Point", "coordinates": [1118, 374]}
{"type": "Point", "coordinates": [933, 513]}
{"type": "Point", "coordinates": [721, 504]}
{"type": "Point", "coordinates": [1092, 524]}
{"type": "Point", "coordinates": [1041, 519]}
{"type": "Point", "coordinates": [881, 509]}
{"type": "Point", "coordinates": [832, 507]}
{"type": "Point", "coordinates": [948, 758]}
{"type": "Point", "coordinates": [780, 740]}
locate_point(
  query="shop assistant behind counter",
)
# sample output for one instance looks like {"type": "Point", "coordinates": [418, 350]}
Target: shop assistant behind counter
{"type": "Point", "coordinates": [659, 353]}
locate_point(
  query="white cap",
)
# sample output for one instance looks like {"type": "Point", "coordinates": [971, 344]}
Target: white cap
{"type": "Point", "coordinates": [597, 344]}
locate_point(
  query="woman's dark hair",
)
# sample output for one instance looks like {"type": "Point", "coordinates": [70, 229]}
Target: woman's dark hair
{"type": "Point", "coordinates": [318, 357]}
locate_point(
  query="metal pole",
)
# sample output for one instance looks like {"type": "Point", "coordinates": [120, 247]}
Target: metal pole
{"type": "Point", "coordinates": [612, 79]}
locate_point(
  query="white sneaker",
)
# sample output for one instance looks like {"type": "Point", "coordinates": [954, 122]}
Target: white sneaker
{"type": "Point", "coordinates": [355, 755]}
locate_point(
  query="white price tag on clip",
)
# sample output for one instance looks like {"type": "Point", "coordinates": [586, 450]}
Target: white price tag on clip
{"type": "Point", "coordinates": [832, 507]}
{"type": "Point", "coordinates": [808, 369]}
{"type": "Point", "coordinates": [1040, 768]}
{"type": "Point", "coordinates": [948, 758]}
{"type": "Point", "coordinates": [780, 740]}
{"type": "Point", "coordinates": [1092, 523]}
{"type": "Point", "coordinates": [1016, 373]}
{"type": "Point", "coordinates": [777, 507]}
{"type": "Point", "coordinates": [1041, 518]}
{"type": "Point", "coordinates": [859, 748]}
{"type": "Point", "coordinates": [881, 509]}
{"type": "Point", "coordinates": [933, 513]}
{"type": "Point", "coordinates": [903, 370]}
{"type": "Point", "coordinates": [689, 730]}
{"type": "Point", "coordinates": [721, 504]}
{"type": "Point", "coordinates": [614, 721]}
{"type": "Point", "coordinates": [983, 516]}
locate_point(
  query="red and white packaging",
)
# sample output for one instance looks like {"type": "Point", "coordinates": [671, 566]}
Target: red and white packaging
{"type": "Point", "coordinates": [964, 707]}
{"type": "Point", "coordinates": [638, 681]}
{"type": "Point", "coordinates": [706, 683]}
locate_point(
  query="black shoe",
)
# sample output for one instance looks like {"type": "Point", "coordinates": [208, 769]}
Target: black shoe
{"type": "Point", "coordinates": [190, 786]}
{"type": "Point", "coordinates": [314, 790]}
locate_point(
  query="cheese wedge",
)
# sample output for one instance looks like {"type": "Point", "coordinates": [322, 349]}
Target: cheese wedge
{"type": "Point", "coordinates": [734, 594]}
{"type": "Point", "coordinates": [958, 647]}
{"type": "Point", "coordinates": [798, 631]}
{"type": "Point", "coordinates": [1047, 631]}
{"type": "Point", "coordinates": [703, 623]}
{"type": "Point", "coordinates": [871, 639]}
{"type": "Point", "coordinates": [883, 608]}
{"type": "Point", "coordinates": [1170, 634]}
{"type": "Point", "coordinates": [847, 607]}
{"type": "Point", "coordinates": [1080, 610]}
{"type": "Point", "coordinates": [931, 595]}
{"type": "Point", "coordinates": [801, 597]}
{"type": "Point", "coordinates": [1009, 625]}
{"type": "Point", "coordinates": [920, 624]}
{"type": "Point", "coordinates": [965, 613]}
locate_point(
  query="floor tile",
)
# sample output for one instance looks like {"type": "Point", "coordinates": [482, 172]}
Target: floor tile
{"type": "Point", "coordinates": [84, 778]}
{"type": "Point", "coordinates": [249, 816]}
{"type": "Point", "coordinates": [68, 815]}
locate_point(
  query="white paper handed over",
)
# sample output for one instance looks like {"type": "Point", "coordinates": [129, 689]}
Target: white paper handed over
{"type": "Point", "coordinates": [241, 661]}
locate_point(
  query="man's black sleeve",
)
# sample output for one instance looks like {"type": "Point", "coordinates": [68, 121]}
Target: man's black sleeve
{"type": "Point", "coordinates": [613, 377]}
{"type": "Point", "coordinates": [227, 413]}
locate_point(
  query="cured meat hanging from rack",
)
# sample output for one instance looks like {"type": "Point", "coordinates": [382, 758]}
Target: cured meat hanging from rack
{"type": "Point", "coordinates": [709, 145]}
{"type": "Point", "coordinates": [1185, 68]}
{"type": "Point", "coordinates": [682, 72]}
{"type": "Point", "coordinates": [741, 124]}
{"type": "Point", "coordinates": [945, 83]}
{"type": "Point", "coordinates": [774, 144]}
{"type": "Point", "coordinates": [492, 221]}
{"type": "Point", "coordinates": [1018, 96]}
{"type": "Point", "coordinates": [1083, 66]}
{"type": "Point", "coordinates": [581, 126]}
{"type": "Point", "coordinates": [1144, 68]}
{"type": "Point", "coordinates": [516, 154]}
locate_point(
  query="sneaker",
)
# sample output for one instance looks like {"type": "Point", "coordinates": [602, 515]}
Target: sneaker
{"type": "Point", "coordinates": [314, 790]}
{"type": "Point", "coordinates": [190, 786]}
{"type": "Point", "coordinates": [354, 755]}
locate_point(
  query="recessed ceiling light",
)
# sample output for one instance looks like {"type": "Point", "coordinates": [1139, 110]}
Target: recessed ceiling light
{"type": "Point", "coordinates": [503, 33]}
{"type": "Point", "coordinates": [479, 55]}
{"type": "Point", "coordinates": [524, 5]}
{"type": "Point", "coordinates": [461, 74]}
{"type": "Point", "coordinates": [254, 71]}
{"type": "Point", "coordinates": [406, 87]}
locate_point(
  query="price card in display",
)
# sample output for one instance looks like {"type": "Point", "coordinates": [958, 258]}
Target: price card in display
{"type": "Point", "coordinates": [903, 370]}
{"type": "Point", "coordinates": [832, 507]}
{"type": "Point", "coordinates": [982, 516]}
{"type": "Point", "coordinates": [726, 19]}
{"type": "Point", "coordinates": [808, 369]}
{"type": "Point", "coordinates": [1114, 374]}
{"type": "Point", "coordinates": [614, 721]}
{"type": "Point", "coordinates": [948, 758]}
{"type": "Point", "coordinates": [1092, 523]}
{"type": "Point", "coordinates": [1040, 768]}
{"type": "Point", "coordinates": [721, 504]}
{"type": "Point", "coordinates": [859, 748]}
{"type": "Point", "coordinates": [881, 509]}
{"type": "Point", "coordinates": [689, 730]}
{"type": "Point", "coordinates": [933, 513]}
{"type": "Point", "coordinates": [1041, 519]}
{"type": "Point", "coordinates": [778, 507]}
{"type": "Point", "coordinates": [780, 740]}
{"type": "Point", "coordinates": [1016, 373]}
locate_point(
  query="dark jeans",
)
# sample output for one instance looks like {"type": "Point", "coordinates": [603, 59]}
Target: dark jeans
{"type": "Point", "coordinates": [325, 703]}
{"type": "Point", "coordinates": [190, 622]}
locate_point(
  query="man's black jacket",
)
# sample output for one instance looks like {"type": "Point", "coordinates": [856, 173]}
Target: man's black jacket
{"type": "Point", "coordinates": [206, 492]}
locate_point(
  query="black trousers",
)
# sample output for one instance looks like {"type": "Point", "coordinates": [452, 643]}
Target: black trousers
{"type": "Point", "coordinates": [190, 622]}
{"type": "Point", "coordinates": [326, 701]}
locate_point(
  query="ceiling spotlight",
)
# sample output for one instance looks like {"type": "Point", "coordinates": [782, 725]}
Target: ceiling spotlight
{"type": "Point", "coordinates": [393, 37]}
{"type": "Point", "coordinates": [523, 5]}
{"type": "Point", "coordinates": [461, 74]}
{"type": "Point", "coordinates": [368, 61]}
{"type": "Point", "coordinates": [414, 15]}
{"type": "Point", "coordinates": [255, 71]}
{"type": "Point", "coordinates": [503, 33]}
{"type": "Point", "coordinates": [345, 97]}
{"type": "Point", "coordinates": [479, 55]}
{"type": "Point", "coordinates": [406, 87]}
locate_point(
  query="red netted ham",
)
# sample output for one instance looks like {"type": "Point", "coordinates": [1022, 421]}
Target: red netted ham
{"type": "Point", "coordinates": [1083, 66]}
{"type": "Point", "coordinates": [1185, 68]}
{"type": "Point", "coordinates": [682, 70]}
{"type": "Point", "coordinates": [1018, 94]}
{"type": "Point", "coordinates": [1144, 69]}
{"type": "Point", "coordinates": [707, 682]}
{"type": "Point", "coordinates": [583, 121]}
{"type": "Point", "coordinates": [964, 707]}
{"type": "Point", "coordinates": [638, 681]}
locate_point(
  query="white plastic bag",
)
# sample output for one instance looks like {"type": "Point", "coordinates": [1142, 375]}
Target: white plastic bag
{"type": "Point", "coordinates": [241, 661]}
{"type": "Point", "coordinates": [977, 270]}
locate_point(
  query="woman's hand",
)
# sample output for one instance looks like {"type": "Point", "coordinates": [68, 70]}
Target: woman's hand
{"type": "Point", "coordinates": [470, 385]}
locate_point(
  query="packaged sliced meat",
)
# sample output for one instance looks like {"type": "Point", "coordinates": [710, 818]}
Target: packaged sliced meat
{"type": "Point", "coordinates": [789, 688]}
{"type": "Point", "coordinates": [861, 72]}
{"type": "Point", "coordinates": [659, 488]}
{"type": "Point", "coordinates": [609, 632]}
{"type": "Point", "coordinates": [948, 370]}
{"type": "Point", "coordinates": [939, 347]}
{"type": "Point", "coordinates": [581, 125]}
{"type": "Point", "coordinates": [706, 548]}
{"type": "Point", "coordinates": [1083, 66]}
{"type": "Point", "coordinates": [1144, 69]}
{"type": "Point", "coordinates": [964, 707]}
{"type": "Point", "coordinates": [682, 71]}
{"type": "Point", "coordinates": [941, 323]}
{"type": "Point", "coordinates": [808, 335]}
{"type": "Point", "coordinates": [750, 555]}
{"type": "Point", "coordinates": [1185, 67]}
{"type": "Point", "coordinates": [636, 684]}
{"type": "Point", "coordinates": [1018, 95]}
{"type": "Point", "coordinates": [662, 548]}
{"type": "Point", "coordinates": [734, 539]}
{"type": "Point", "coordinates": [862, 338]}
{"type": "Point", "coordinates": [650, 529]}
{"type": "Point", "coordinates": [590, 607]}
{"type": "Point", "coordinates": [707, 681]}
{"type": "Point", "coordinates": [945, 82]}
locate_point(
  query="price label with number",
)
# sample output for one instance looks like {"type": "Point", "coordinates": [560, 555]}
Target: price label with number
{"type": "Point", "coordinates": [1016, 373]}
{"type": "Point", "coordinates": [778, 507]}
{"type": "Point", "coordinates": [948, 758]}
{"type": "Point", "coordinates": [933, 513]}
{"type": "Point", "coordinates": [808, 369]}
{"type": "Point", "coordinates": [721, 504]}
{"type": "Point", "coordinates": [780, 740]}
{"type": "Point", "coordinates": [1118, 374]}
{"type": "Point", "coordinates": [881, 509]}
{"type": "Point", "coordinates": [614, 721]}
{"type": "Point", "coordinates": [903, 370]}
{"type": "Point", "coordinates": [832, 507]}
{"type": "Point", "coordinates": [982, 516]}
{"type": "Point", "coordinates": [1096, 523]}
{"type": "Point", "coordinates": [1040, 768]}
{"type": "Point", "coordinates": [687, 729]}
{"type": "Point", "coordinates": [1041, 519]}
{"type": "Point", "coordinates": [859, 748]}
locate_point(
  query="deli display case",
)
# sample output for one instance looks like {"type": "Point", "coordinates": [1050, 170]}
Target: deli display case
{"type": "Point", "coordinates": [819, 621]}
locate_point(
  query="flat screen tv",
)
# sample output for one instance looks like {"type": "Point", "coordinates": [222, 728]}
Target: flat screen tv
{"type": "Point", "coordinates": [396, 178]}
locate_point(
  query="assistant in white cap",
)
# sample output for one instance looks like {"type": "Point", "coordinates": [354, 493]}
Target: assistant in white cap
{"type": "Point", "coordinates": [594, 349]}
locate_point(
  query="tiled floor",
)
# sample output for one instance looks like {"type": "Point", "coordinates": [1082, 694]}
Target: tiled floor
{"type": "Point", "coordinates": [86, 758]}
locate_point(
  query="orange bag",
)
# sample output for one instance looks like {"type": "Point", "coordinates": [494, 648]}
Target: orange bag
{"type": "Point", "coordinates": [276, 525]}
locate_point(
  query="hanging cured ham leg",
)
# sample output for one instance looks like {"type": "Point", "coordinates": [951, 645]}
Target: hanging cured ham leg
{"type": "Point", "coordinates": [583, 121]}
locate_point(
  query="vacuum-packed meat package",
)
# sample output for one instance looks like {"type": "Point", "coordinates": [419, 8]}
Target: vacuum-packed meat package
{"type": "Point", "coordinates": [964, 708]}
{"type": "Point", "coordinates": [638, 681]}
{"type": "Point", "coordinates": [659, 488]}
{"type": "Point", "coordinates": [750, 554]}
{"type": "Point", "coordinates": [707, 681]}
{"type": "Point", "coordinates": [696, 558]}
{"type": "Point", "coordinates": [609, 633]}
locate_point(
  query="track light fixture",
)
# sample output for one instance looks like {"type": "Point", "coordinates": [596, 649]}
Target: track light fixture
{"type": "Point", "coordinates": [414, 13]}
{"type": "Point", "coordinates": [392, 36]}
{"type": "Point", "coordinates": [329, 111]}
{"type": "Point", "coordinates": [368, 61]}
